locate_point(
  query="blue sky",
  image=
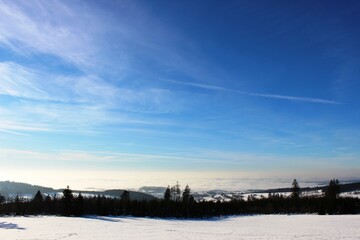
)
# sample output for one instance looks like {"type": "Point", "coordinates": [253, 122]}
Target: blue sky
{"type": "Point", "coordinates": [131, 93]}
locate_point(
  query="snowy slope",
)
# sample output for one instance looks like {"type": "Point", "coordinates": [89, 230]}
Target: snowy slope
{"type": "Point", "coordinates": [280, 227]}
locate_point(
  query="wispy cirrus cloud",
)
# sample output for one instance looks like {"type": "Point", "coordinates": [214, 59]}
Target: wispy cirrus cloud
{"type": "Point", "coordinates": [59, 117]}
{"type": "Point", "coordinates": [102, 157]}
{"type": "Point", "coordinates": [97, 45]}
{"type": "Point", "coordinates": [23, 82]}
{"type": "Point", "coordinates": [13, 126]}
{"type": "Point", "coordinates": [255, 94]}
{"type": "Point", "coordinates": [93, 41]}
{"type": "Point", "coordinates": [48, 27]}
{"type": "Point", "coordinates": [203, 159]}
{"type": "Point", "coordinates": [40, 97]}
{"type": "Point", "coordinates": [18, 81]}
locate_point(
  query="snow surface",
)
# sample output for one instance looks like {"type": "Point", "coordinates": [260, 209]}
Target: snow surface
{"type": "Point", "coordinates": [278, 227]}
{"type": "Point", "coordinates": [354, 194]}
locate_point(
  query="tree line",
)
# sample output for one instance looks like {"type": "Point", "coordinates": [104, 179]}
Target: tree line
{"type": "Point", "coordinates": [181, 204]}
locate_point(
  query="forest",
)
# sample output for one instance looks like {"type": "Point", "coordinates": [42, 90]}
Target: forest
{"type": "Point", "coordinates": [181, 204]}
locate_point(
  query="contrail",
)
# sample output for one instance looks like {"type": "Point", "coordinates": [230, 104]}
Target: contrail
{"type": "Point", "coordinates": [254, 94]}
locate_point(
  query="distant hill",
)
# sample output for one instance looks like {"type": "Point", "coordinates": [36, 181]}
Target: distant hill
{"type": "Point", "coordinates": [346, 187]}
{"type": "Point", "coordinates": [227, 195]}
{"type": "Point", "coordinates": [118, 192]}
{"type": "Point", "coordinates": [8, 189]}
{"type": "Point", "coordinates": [153, 190]}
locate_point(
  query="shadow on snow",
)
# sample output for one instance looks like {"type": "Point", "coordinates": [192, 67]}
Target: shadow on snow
{"type": "Point", "coordinates": [102, 218]}
{"type": "Point", "coordinates": [6, 225]}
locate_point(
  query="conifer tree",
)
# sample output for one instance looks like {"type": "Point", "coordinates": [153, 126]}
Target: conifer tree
{"type": "Point", "coordinates": [173, 193]}
{"type": "Point", "coordinates": [67, 194]}
{"type": "Point", "coordinates": [177, 192]}
{"type": "Point", "coordinates": [125, 196]}
{"type": "Point", "coordinates": [38, 197]}
{"type": "Point", "coordinates": [48, 205]}
{"type": "Point", "coordinates": [98, 205]}
{"type": "Point", "coordinates": [37, 202]}
{"type": "Point", "coordinates": [295, 189]}
{"type": "Point", "coordinates": [18, 201]}
{"type": "Point", "coordinates": [333, 190]}
{"type": "Point", "coordinates": [186, 194]}
{"type": "Point", "coordinates": [67, 201]}
{"type": "Point", "coordinates": [79, 205]}
{"type": "Point", "coordinates": [167, 194]}
{"type": "Point", "coordinates": [125, 202]}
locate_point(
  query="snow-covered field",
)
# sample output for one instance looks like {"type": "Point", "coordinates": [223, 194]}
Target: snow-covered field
{"type": "Point", "coordinates": [243, 227]}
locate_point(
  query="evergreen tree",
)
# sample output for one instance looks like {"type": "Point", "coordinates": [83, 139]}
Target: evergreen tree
{"type": "Point", "coordinates": [48, 205]}
{"type": "Point", "coordinates": [37, 202]}
{"type": "Point", "coordinates": [67, 194]}
{"type": "Point", "coordinates": [79, 205]}
{"type": "Point", "coordinates": [67, 201]}
{"type": "Point", "coordinates": [173, 193]}
{"type": "Point", "coordinates": [186, 194]}
{"type": "Point", "coordinates": [167, 194]}
{"type": "Point", "coordinates": [295, 189]}
{"type": "Point", "coordinates": [18, 203]}
{"type": "Point", "coordinates": [331, 194]}
{"type": "Point", "coordinates": [177, 192]}
{"type": "Point", "coordinates": [38, 197]}
{"type": "Point", "coordinates": [125, 196]}
{"type": "Point", "coordinates": [125, 202]}
{"type": "Point", "coordinates": [333, 190]}
{"type": "Point", "coordinates": [98, 205]}
{"type": "Point", "coordinates": [2, 199]}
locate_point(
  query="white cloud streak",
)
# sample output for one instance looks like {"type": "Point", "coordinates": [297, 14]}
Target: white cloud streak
{"type": "Point", "coordinates": [106, 157]}
{"type": "Point", "coordinates": [48, 27]}
{"type": "Point", "coordinates": [198, 159]}
{"type": "Point", "coordinates": [23, 82]}
{"type": "Point", "coordinates": [54, 100]}
{"type": "Point", "coordinates": [254, 94]}
{"type": "Point", "coordinates": [90, 39]}
{"type": "Point", "coordinates": [94, 43]}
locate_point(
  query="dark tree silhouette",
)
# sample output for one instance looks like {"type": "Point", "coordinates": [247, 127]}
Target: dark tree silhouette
{"type": "Point", "coordinates": [331, 196]}
{"type": "Point", "coordinates": [333, 189]}
{"type": "Point", "coordinates": [125, 196]}
{"type": "Point", "coordinates": [186, 196]}
{"type": "Point", "coordinates": [37, 202]}
{"type": "Point", "coordinates": [18, 205]}
{"type": "Point", "coordinates": [167, 194]}
{"type": "Point", "coordinates": [177, 192]}
{"type": "Point", "coordinates": [69, 205]}
{"type": "Point", "coordinates": [67, 194]}
{"type": "Point", "coordinates": [67, 201]}
{"type": "Point", "coordinates": [98, 205]}
{"type": "Point", "coordinates": [38, 197]}
{"type": "Point", "coordinates": [2, 199]}
{"type": "Point", "coordinates": [79, 205]}
{"type": "Point", "coordinates": [295, 189]}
